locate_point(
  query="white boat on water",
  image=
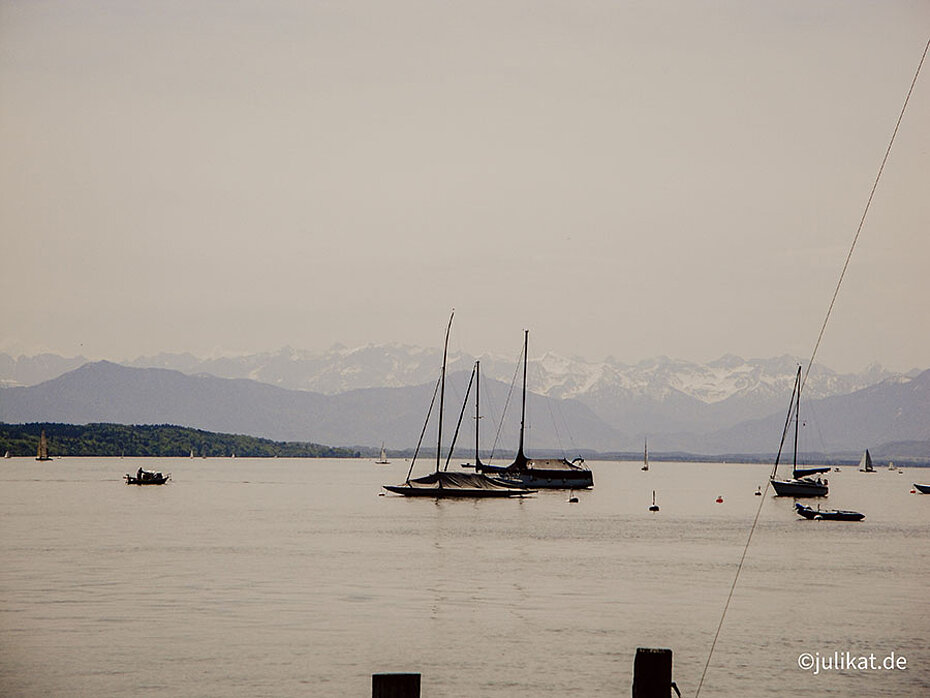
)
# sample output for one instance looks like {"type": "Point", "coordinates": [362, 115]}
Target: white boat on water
{"type": "Point", "coordinates": [382, 459]}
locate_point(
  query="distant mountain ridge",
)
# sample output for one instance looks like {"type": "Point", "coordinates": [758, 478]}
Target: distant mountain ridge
{"type": "Point", "coordinates": [660, 394]}
{"type": "Point", "coordinates": [894, 410]}
{"type": "Point", "coordinates": [107, 392]}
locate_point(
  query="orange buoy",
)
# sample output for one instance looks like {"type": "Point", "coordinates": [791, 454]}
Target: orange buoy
{"type": "Point", "coordinates": [719, 499]}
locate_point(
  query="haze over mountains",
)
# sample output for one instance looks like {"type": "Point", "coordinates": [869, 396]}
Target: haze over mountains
{"type": "Point", "coordinates": [363, 396]}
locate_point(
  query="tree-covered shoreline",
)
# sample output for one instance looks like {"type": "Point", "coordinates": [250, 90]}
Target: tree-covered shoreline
{"type": "Point", "coordinates": [150, 440]}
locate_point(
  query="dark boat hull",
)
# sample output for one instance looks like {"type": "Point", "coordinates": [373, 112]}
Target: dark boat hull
{"type": "Point", "coordinates": [455, 493]}
{"type": "Point", "coordinates": [457, 485]}
{"type": "Point", "coordinates": [534, 475]}
{"type": "Point", "coordinates": [542, 480]}
{"type": "Point", "coordinates": [157, 480]}
{"type": "Point", "coordinates": [800, 488]}
{"type": "Point", "coordinates": [829, 515]}
{"type": "Point", "coordinates": [924, 489]}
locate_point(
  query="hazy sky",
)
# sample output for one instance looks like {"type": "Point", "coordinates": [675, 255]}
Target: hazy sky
{"type": "Point", "coordinates": [626, 178]}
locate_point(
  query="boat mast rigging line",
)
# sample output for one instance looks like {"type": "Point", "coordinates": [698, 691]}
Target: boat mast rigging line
{"type": "Point", "coordinates": [799, 384]}
{"type": "Point", "coordinates": [458, 426]}
{"type": "Point", "coordinates": [865, 212]}
{"type": "Point", "coordinates": [500, 424]}
{"type": "Point", "coordinates": [442, 390]}
{"type": "Point", "coordinates": [423, 431]}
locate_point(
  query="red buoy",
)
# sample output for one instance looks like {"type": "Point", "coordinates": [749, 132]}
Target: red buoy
{"type": "Point", "coordinates": [719, 499]}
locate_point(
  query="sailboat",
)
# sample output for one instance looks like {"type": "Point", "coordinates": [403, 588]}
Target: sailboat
{"type": "Point", "coordinates": [42, 452]}
{"type": "Point", "coordinates": [645, 455]}
{"type": "Point", "coordinates": [442, 483]}
{"type": "Point", "coordinates": [548, 473]}
{"type": "Point", "coordinates": [382, 459]}
{"type": "Point", "coordinates": [801, 483]}
{"type": "Point", "coordinates": [865, 465]}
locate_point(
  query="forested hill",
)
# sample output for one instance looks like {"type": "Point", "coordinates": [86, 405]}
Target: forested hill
{"type": "Point", "coordinates": [162, 440]}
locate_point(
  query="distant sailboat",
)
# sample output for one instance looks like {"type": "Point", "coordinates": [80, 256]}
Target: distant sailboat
{"type": "Point", "coordinates": [645, 455]}
{"type": "Point", "coordinates": [6, 455]}
{"type": "Point", "coordinates": [865, 465]}
{"type": "Point", "coordinates": [654, 507]}
{"type": "Point", "coordinates": [382, 459]}
{"type": "Point", "coordinates": [42, 453]}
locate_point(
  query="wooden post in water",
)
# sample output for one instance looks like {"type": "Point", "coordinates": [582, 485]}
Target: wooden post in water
{"type": "Point", "coordinates": [395, 686]}
{"type": "Point", "coordinates": [652, 673]}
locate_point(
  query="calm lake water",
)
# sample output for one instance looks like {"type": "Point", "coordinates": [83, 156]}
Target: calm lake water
{"type": "Point", "coordinates": [294, 577]}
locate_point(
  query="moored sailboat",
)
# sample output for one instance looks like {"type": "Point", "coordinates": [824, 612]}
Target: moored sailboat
{"type": "Point", "coordinates": [645, 454]}
{"type": "Point", "coordinates": [546, 473]}
{"type": "Point", "coordinates": [382, 459]}
{"type": "Point", "coordinates": [441, 483]}
{"type": "Point", "coordinates": [801, 484]}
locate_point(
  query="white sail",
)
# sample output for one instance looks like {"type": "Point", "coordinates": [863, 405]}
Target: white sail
{"type": "Point", "coordinates": [865, 465]}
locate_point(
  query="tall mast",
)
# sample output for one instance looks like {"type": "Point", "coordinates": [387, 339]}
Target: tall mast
{"type": "Point", "coordinates": [784, 432]}
{"type": "Point", "coordinates": [797, 422]}
{"type": "Point", "coordinates": [477, 413]}
{"type": "Point", "coordinates": [442, 390]}
{"type": "Point", "coordinates": [520, 454]}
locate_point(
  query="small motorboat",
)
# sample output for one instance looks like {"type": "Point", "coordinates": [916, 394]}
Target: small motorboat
{"type": "Point", "coordinates": [923, 489]}
{"type": "Point", "coordinates": [147, 477]}
{"type": "Point", "coordinates": [827, 514]}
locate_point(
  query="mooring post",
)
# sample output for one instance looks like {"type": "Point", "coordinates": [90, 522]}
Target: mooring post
{"type": "Point", "coordinates": [652, 673]}
{"type": "Point", "coordinates": [395, 686]}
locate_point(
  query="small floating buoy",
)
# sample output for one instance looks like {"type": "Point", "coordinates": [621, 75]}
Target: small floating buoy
{"type": "Point", "coordinates": [573, 500]}
{"type": "Point", "coordinates": [719, 499]}
{"type": "Point", "coordinates": [913, 491]}
{"type": "Point", "coordinates": [758, 491]}
{"type": "Point", "coordinates": [380, 494]}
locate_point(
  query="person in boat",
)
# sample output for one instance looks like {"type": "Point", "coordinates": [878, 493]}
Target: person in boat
{"type": "Point", "coordinates": [139, 474]}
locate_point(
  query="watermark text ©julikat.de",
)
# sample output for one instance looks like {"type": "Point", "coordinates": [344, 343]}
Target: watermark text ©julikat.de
{"type": "Point", "coordinates": [816, 662]}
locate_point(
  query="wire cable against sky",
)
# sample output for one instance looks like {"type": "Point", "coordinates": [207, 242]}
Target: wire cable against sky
{"type": "Point", "coordinates": [865, 213]}
{"type": "Point", "coordinates": [823, 328]}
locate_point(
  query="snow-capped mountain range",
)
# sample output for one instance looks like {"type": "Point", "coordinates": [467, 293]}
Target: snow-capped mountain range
{"type": "Point", "coordinates": [361, 397]}
{"type": "Point", "coordinates": [660, 394]}
{"type": "Point", "coordinates": [340, 369]}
